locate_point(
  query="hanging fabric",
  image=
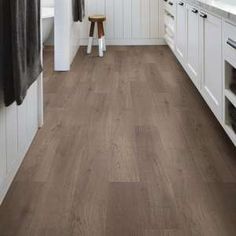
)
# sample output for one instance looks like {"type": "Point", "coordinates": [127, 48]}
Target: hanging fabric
{"type": "Point", "coordinates": [7, 86]}
{"type": "Point", "coordinates": [78, 7]}
{"type": "Point", "coordinates": [22, 46]}
{"type": "Point", "coordinates": [1, 51]}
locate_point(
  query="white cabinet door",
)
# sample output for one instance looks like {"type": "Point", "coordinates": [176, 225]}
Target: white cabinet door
{"type": "Point", "coordinates": [181, 31]}
{"type": "Point", "coordinates": [211, 49]}
{"type": "Point", "coordinates": [193, 44]}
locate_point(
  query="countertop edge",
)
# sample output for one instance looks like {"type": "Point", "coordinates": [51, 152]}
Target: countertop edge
{"type": "Point", "coordinates": [218, 10]}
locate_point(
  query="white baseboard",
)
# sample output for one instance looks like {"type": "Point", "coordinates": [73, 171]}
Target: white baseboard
{"type": "Point", "coordinates": [127, 42]}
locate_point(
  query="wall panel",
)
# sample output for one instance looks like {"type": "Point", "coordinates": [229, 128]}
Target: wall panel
{"type": "Point", "coordinates": [154, 19]}
{"type": "Point", "coordinates": [128, 21]}
{"type": "Point", "coordinates": [118, 14]}
{"type": "Point", "coordinates": [18, 126]}
{"type": "Point", "coordinates": [11, 136]}
{"type": "Point", "coordinates": [110, 23]}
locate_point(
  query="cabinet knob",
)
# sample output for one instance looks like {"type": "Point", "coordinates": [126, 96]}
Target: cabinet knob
{"type": "Point", "coordinates": [194, 11]}
{"type": "Point", "coordinates": [203, 15]}
{"type": "Point", "coordinates": [171, 3]}
{"type": "Point", "coordinates": [165, 0]}
{"type": "Point", "coordinates": [181, 3]}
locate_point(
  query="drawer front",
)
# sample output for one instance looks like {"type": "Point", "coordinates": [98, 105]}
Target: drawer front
{"type": "Point", "coordinates": [169, 22]}
{"type": "Point", "coordinates": [230, 42]}
{"type": "Point", "coordinates": [170, 6]}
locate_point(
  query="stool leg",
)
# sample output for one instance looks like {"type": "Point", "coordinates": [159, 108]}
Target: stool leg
{"type": "Point", "coordinates": [103, 38]}
{"type": "Point", "coordinates": [90, 43]}
{"type": "Point", "coordinates": [100, 41]}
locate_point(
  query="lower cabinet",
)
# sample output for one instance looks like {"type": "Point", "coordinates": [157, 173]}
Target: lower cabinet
{"type": "Point", "coordinates": [205, 46]}
{"type": "Point", "coordinates": [192, 58]}
{"type": "Point", "coordinates": [181, 36]}
{"type": "Point", "coordinates": [211, 62]}
{"type": "Point", "coordinates": [199, 50]}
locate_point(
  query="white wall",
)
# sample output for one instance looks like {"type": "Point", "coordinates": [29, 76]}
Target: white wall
{"type": "Point", "coordinates": [47, 3]}
{"type": "Point", "coordinates": [128, 21]}
{"type": "Point", "coordinates": [66, 35]}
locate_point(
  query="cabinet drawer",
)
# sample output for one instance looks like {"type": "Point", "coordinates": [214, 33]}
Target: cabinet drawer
{"type": "Point", "coordinates": [230, 42]}
{"type": "Point", "coordinates": [169, 22]}
{"type": "Point", "coordinates": [170, 6]}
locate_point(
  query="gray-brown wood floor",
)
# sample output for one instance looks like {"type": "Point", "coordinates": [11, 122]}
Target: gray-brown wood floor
{"type": "Point", "coordinates": [128, 148]}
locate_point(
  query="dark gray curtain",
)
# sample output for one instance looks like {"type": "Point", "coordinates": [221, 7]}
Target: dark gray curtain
{"type": "Point", "coordinates": [21, 48]}
{"type": "Point", "coordinates": [1, 51]}
{"type": "Point", "coordinates": [78, 10]}
{"type": "Point", "coordinates": [6, 72]}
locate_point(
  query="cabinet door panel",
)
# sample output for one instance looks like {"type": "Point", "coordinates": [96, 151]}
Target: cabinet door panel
{"type": "Point", "coordinates": [181, 37]}
{"type": "Point", "coordinates": [193, 44]}
{"type": "Point", "coordinates": [212, 79]}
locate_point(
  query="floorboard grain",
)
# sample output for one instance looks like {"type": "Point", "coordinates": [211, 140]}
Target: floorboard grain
{"type": "Point", "coordinates": [129, 148]}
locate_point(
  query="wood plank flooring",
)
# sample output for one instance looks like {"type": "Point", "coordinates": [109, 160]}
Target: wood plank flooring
{"type": "Point", "coordinates": [129, 148]}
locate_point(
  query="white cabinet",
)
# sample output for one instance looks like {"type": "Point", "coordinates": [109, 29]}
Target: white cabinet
{"type": "Point", "coordinates": [187, 40]}
{"type": "Point", "coordinates": [211, 62]}
{"type": "Point", "coordinates": [181, 30]}
{"type": "Point", "coordinates": [192, 58]}
{"type": "Point", "coordinates": [199, 48]}
{"type": "Point", "coordinates": [169, 23]}
{"type": "Point", "coordinates": [229, 68]}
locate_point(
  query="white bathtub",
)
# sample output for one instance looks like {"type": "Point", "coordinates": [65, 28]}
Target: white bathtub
{"type": "Point", "coordinates": [48, 21]}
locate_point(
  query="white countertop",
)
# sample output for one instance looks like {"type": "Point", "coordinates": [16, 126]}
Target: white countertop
{"type": "Point", "coordinates": [224, 8]}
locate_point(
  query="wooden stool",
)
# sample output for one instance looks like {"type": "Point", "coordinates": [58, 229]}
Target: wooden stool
{"type": "Point", "coordinates": [99, 19]}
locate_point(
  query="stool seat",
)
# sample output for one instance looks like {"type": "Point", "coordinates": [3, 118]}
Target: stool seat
{"type": "Point", "coordinates": [97, 18]}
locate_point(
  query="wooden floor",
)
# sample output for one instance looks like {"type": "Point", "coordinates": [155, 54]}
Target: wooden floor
{"type": "Point", "coordinates": [129, 148]}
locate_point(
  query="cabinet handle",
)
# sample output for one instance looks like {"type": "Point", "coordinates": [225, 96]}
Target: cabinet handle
{"type": "Point", "coordinates": [203, 15]}
{"type": "Point", "coordinates": [171, 3]}
{"type": "Point", "coordinates": [194, 11]}
{"type": "Point", "coordinates": [181, 3]}
{"type": "Point", "coordinates": [231, 43]}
